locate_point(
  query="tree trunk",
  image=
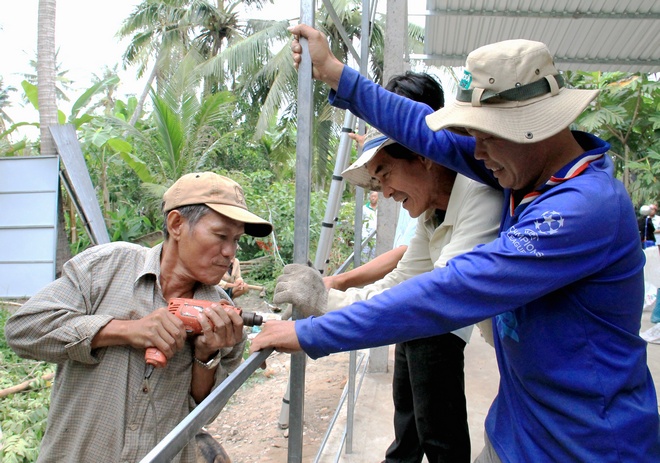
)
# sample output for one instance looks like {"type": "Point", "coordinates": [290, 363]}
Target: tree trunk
{"type": "Point", "coordinates": [73, 228]}
{"type": "Point", "coordinates": [46, 74]}
{"type": "Point", "coordinates": [626, 168]}
{"type": "Point", "coordinates": [138, 109]}
{"type": "Point", "coordinates": [47, 96]}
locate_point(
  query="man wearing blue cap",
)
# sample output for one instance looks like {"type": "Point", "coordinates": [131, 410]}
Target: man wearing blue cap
{"type": "Point", "coordinates": [565, 286]}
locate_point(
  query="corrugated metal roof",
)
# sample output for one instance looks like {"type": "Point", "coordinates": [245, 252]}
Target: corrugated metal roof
{"type": "Point", "coordinates": [588, 35]}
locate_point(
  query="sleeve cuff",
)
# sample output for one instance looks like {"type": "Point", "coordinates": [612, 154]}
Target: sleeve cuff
{"type": "Point", "coordinates": [85, 329]}
{"type": "Point", "coordinates": [348, 83]}
{"type": "Point", "coordinates": [304, 332]}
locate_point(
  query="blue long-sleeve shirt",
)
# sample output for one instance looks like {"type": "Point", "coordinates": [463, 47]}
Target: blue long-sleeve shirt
{"type": "Point", "coordinates": [564, 281]}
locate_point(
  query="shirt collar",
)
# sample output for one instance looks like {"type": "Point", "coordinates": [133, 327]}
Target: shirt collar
{"type": "Point", "coordinates": [595, 148]}
{"type": "Point", "coordinates": [151, 262]}
{"type": "Point", "coordinates": [151, 267]}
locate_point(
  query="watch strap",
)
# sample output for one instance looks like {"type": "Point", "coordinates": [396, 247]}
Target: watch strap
{"type": "Point", "coordinates": [211, 363]}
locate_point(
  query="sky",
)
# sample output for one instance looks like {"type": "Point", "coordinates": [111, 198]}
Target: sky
{"type": "Point", "coordinates": [85, 35]}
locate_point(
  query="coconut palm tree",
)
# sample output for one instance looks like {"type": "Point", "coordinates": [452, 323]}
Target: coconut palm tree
{"type": "Point", "coordinates": [217, 26]}
{"type": "Point", "coordinates": [46, 73]}
{"type": "Point", "coordinates": [62, 81]}
{"type": "Point", "coordinates": [263, 70]}
{"type": "Point", "coordinates": [48, 108]}
{"type": "Point", "coordinates": [158, 34]}
{"type": "Point", "coordinates": [163, 31]}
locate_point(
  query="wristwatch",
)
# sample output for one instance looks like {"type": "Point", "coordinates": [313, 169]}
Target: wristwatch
{"type": "Point", "coordinates": [212, 363]}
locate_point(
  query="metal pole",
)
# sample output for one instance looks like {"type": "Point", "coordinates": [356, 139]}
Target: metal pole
{"type": "Point", "coordinates": [330, 9]}
{"type": "Point", "coordinates": [283, 421]}
{"type": "Point", "coordinates": [301, 226]}
{"type": "Point", "coordinates": [185, 431]}
{"type": "Point", "coordinates": [350, 406]}
{"type": "Point", "coordinates": [357, 228]}
{"type": "Point", "coordinates": [334, 196]}
{"type": "Point", "coordinates": [364, 62]}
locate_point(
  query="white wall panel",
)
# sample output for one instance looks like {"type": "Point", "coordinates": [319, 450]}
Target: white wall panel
{"type": "Point", "coordinates": [28, 220]}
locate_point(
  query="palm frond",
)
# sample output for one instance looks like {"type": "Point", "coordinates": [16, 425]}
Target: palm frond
{"type": "Point", "coordinates": [170, 134]}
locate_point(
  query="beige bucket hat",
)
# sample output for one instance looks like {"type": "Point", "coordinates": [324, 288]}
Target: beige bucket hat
{"type": "Point", "coordinates": [511, 89]}
{"type": "Point", "coordinates": [221, 194]}
{"type": "Point", "coordinates": [357, 173]}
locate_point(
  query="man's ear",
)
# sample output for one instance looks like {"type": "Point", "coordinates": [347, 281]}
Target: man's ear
{"type": "Point", "coordinates": [175, 222]}
{"type": "Point", "coordinates": [426, 162]}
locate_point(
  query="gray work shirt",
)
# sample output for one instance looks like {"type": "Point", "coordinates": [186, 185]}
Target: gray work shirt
{"type": "Point", "coordinates": [101, 408]}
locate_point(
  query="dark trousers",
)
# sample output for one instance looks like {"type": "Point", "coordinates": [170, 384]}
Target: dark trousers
{"type": "Point", "coordinates": [430, 415]}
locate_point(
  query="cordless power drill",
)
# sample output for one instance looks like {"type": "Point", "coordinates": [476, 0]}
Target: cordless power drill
{"type": "Point", "coordinates": [186, 310]}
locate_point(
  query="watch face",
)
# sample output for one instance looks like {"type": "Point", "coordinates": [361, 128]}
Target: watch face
{"type": "Point", "coordinates": [211, 363]}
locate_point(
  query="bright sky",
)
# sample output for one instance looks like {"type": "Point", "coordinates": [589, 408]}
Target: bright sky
{"type": "Point", "coordinates": [85, 36]}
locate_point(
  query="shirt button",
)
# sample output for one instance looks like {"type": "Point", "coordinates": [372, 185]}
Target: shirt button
{"type": "Point", "coordinates": [145, 389]}
{"type": "Point", "coordinates": [133, 427]}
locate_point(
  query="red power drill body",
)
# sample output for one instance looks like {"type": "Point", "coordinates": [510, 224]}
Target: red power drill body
{"type": "Point", "coordinates": [187, 310]}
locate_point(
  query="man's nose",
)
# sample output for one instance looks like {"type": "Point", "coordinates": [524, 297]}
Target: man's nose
{"type": "Point", "coordinates": [480, 152]}
{"type": "Point", "coordinates": [229, 249]}
{"type": "Point", "coordinates": [387, 191]}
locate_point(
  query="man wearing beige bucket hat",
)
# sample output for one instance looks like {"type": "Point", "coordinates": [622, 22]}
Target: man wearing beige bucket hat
{"type": "Point", "coordinates": [110, 305]}
{"type": "Point", "coordinates": [564, 284]}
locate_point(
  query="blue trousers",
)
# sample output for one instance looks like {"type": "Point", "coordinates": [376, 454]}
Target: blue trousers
{"type": "Point", "coordinates": [430, 414]}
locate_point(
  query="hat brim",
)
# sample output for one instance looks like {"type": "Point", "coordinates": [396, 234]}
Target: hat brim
{"type": "Point", "coordinates": [532, 122]}
{"type": "Point", "coordinates": [254, 225]}
{"type": "Point", "coordinates": [357, 173]}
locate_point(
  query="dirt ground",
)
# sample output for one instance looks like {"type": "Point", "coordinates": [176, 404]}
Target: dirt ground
{"type": "Point", "coordinates": [248, 426]}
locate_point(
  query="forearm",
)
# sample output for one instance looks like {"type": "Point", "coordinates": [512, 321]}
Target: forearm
{"type": "Point", "coordinates": [112, 334]}
{"type": "Point", "coordinates": [331, 73]}
{"type": "Point", "coordinates": [237, 269]}
{"type": "Point", "coordinates": [370, 272]}
{"type": "Point", "coordinates": [202, 379]}
{"type": "Point", "coordinates": [404, 120]}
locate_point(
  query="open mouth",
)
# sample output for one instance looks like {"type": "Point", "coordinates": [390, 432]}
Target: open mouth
{"type": "Point", "coordinates": [400, 198]}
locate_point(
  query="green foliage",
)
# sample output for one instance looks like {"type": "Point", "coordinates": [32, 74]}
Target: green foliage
{"type": "Point", "coordinates": [126, 225]}
{"type": "Point", "coordinates": [626, 115]}
{"type": "Point", "coordinates": [184, 133]}
{"type": "Point", "coordinates": [275, 200]}
{"type": "Point", "coordinates": [344, 237]}
{"type": "Point", "coordinates": [83, 101]}
{"type": "Point", "coordinates": [23, 414]}
{"type": "Point", "coordinates": [128, 213]}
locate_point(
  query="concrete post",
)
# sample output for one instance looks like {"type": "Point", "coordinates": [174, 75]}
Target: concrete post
{"type": "Point", "coordinates": [396, 37]}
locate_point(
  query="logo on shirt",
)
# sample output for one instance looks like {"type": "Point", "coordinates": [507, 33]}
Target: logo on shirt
{"type": "Point", "coordinates": [466, 81]}
{"type": "Point", "coordinates": [507, 323]}
{"type": "Point", "coordinates": [549, 223]}
{"type": "Point", "coordinates": [524, 241]}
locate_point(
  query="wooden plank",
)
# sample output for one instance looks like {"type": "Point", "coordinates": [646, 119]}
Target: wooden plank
{"type": "Point", "coordinates": [78, 183]}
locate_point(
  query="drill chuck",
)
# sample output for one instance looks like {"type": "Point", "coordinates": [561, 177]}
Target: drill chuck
{"type": "Point", "coordinates": [251, 318]}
